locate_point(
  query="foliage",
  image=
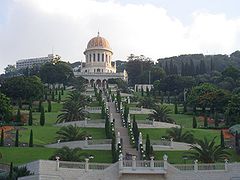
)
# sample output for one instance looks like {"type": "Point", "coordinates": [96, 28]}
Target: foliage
{"type": "Point", "coordinates": [5, 108]}
{"type": "Point", "coordinates": [67, 154]}
{"type": "Point", "coordinates": [107, 127]}
{"type": "Point", "coordinates": [60, 72]}
{"type": "Point", "coordinates": [71, 133]}
{"type": "Point", "coordinates": [113, 148]}
{"type": "Point", "coordinates": [17, 138]}
{"type": "Point", "coordinates": [222, 139]}
{"type": "Point", "coordinates": [42, 116]}
{"type": "Point", "coordinates": [2, 138]}
{"type": "Point", "coordinates": [161, 113]}
{"type": "Point", "coordinates": [148, 147]}
{"type": "Point", "coordinates": [194, 125]}
{"type": "Point", "coordinates": [25, 88]}
{"type": "Point", "coordinates": [207, 151]}
{"type": "Point", "coordinates": [18, 116]}
{"type": "Point", "coordinates": [178, 135]}
{"type": "Point", "coordinates": [135, 131]}
{"type": "Point", "coordinates": [49, 106]}
{"type": "Point", "coordinates": [21, 172]}
{"type": "Point", "coordinates": [30, 118]}
{"type": "Point", "coordinates": [31, 139]}
{"type": "Point", "coordinates": [147, 102]}
{"type": "Point", "coordinates": [205, 121]}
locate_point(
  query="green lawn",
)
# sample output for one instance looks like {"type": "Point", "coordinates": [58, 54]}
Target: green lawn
{"type": "Point", "coordinates": [156, 133]}
{"type": "Point", "coordinates": [140, 117]}
{"type": "Point", "coordinates": [47, 134]}
{"type": "Point", "coordinates": [50, 118]}
{"type": "Point", "coordinates": [95, 116]}
{"type": "Point", "coordinates": [56, 107]}
{"type": "Point", "coordinates": [176, 157]}
{"type": "Point", "coordinates": [22, 155]}
{"type": "Point", "coordinates": [185, 120]}
{"type": "Point", "coordinates": [94, 104]}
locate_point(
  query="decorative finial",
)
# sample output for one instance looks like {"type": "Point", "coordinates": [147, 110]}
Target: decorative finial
{"type": "Point", "coordinates": [98, 33]}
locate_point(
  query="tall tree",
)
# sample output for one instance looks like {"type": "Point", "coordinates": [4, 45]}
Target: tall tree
{"type": "Point", "coordinates": [18, 116]}
{"type": "Point", "coordinates": [49, 105]}
{"type": "Point", "coordinates": [113, 148]}
{"type": "Point", "coordinates": [5, 108]}
{"type": "Point", "coordinates": [42, 117]}
{"type": "Point", "coordinates": [194, 122]}
{"type": "Point", "coordinates": [148, 147]}
{"type": "Point", "coordinates": [31, 139]}
{"type": "Point", "coordinates": [30, 118]}
{"type": "Point", "coordinates": [222, 139]}
{"type": "Point", "coordinates": [2, 138]}
{"type": "Point", "coordinates": [17, 138]}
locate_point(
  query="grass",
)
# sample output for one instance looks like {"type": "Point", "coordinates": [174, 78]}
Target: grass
{"type": "Point", "coordinates": [157, 133]}
{"type": "Point", "coordinates": [50, 118]}
{"type": "Point", "coordinates": [185, 120]}
{"type": "Point", "coordinates": [139, 116]}
{"type": "Point", "coordinates": [94, 104]}
{"type": "Point", "coordinates": [176, 157]}
{"type": "Point", "coordinates": [47, 134]}
{"type": "Point", "coordinates": [95, 116]}
{"type": "Point", "coordinates": [22, 155]}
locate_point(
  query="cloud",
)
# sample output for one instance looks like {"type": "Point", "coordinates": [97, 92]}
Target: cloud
{"type": "Point", "coordinates": [33, 28]}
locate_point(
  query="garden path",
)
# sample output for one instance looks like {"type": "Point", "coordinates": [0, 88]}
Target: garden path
{"type": "Point", "coordinates": [127, 147]}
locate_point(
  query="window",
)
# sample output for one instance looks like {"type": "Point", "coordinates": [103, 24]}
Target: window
{"type": "Point", "coordinates": [106, 58]}
{"type": "Point", "coordinates": [90, 58]}
{"type": "Point", "coordinates": [98, 57]}
{"type": "Point", "coordinates": [98, 70]}
{"type": "Point", "coordinates": [93, 57]}
{"type": "Point", "coordinates": [102, 57]}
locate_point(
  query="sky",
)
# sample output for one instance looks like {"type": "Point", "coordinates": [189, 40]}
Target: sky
{"type": "Point", "coordinates": [154, 28]}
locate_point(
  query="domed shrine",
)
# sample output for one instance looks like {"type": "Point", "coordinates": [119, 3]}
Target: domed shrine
{"type": "Point", "coordinates": [99, 66]}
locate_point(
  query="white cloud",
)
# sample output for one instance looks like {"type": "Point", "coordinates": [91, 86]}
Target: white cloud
{"type": "Point", "coordinates": [35, 26]}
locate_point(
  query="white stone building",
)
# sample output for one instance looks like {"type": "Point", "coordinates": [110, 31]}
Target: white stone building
{"type": "Point", "coordinates": [29, 63]}
{"type": "Point", "coordinates": [99, 66]}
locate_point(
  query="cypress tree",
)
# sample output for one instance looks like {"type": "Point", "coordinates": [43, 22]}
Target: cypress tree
{"type": "Point", "coordinates": [20, 103]}
{"type": "Point", "coordinates": [10, 176]}
{"type": "Point", "coordinates": [62, 91]}
{"type": "Point", "coordinates": [30, 104]}
{"type": "Point", "coordinates": [39, 105]}
{"type": "Point", "coordinates": [194, 122]}
{"type": "Point", "coordinates": [148, 147]}
{"type": "Point", "coordinates": [113, 147]}
{"type": "Point", "coordinates": [148, 94]}
{"type": "Point", "coordinates": [142, 93]}
{"type": "Point", "coordinates": [53, 96]}
{"type": "Point", "coordinates": [18, 117]}
{"type": "Point", "coordinates": [175, 108]}
{"type": "Point", "coordinates": [17, 138]}
{"type": "Point", "coordinates": [31, 139]}
{"type": "Point", "coordinates": [222, 139]}
{"type": "Point", "coordinates": [216, 120]}
{"type": "Point", "coordinates": [49, 106]}
{"type": "Point", "coordinates": [59, 97]}
{"type": "Point", "coordinates": [2, 138]}
{"type": "Point", "coordinates": [42, 117]}
{"type": "Point", "coordinates": [151, 151]}
{"type": "Point", "coordinates": [103, 113]}
{"type": "Point", "coordinates": [205, 121]}
{"type": "Point", "coordinates": [107, 127]}
{"type": "Point", "coordinates": [30, 120]}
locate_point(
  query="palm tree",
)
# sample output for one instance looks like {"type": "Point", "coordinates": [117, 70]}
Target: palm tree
{"type": "Point", "coordinates": [67, 154]}
{"type": "Point", "coordinates": [178, 135]}
{"type": "Point", "coordinates": [71, 133]}
{"type": "Point", "coordinates": [208, 152]}
{"type": "Point", "coordinates": [74, 108]}
{"type": "Point", "coordinates": [161, 113]}
{"type": "Point", "coordinates": [147, 102]}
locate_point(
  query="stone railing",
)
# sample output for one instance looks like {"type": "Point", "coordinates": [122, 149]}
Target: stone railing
{"type": "Point", "coordinates": [81, 165]}
{"type": "Point", "coordinates": [93, 108]}
{"type": "Point", "coordinates": [202, 167]}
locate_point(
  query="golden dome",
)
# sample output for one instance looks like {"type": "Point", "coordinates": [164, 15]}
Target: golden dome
{"type": "Point", "coordinates": [98, 42]}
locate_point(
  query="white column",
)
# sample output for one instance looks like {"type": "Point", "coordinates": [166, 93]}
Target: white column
{"type": "Point", "coordinates": [134, 164]}
{"type": "Point", "coordinates": [120, 161]}
{"type": "Point", "coordinates": [86, 164]}
{"type": "Point", "coordinates": [57, 163]}
{"type": "Point", "coordinates": [152, 162]}
{"type": "Point", "coordinates": [165, 158]}
{"type": "Point", "coordinates": [196, 165]}
{"type": "Point", "coordinates": [118, 138]}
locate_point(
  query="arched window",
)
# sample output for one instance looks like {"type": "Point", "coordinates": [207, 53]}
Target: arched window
{"type": "Point", "coordinates": [98, 57]}
{"type": "Point", "coordinates": [106, 58]}
{"type": "Point", "coordinates": [90, 59]}
{"type": "Point", "coordinates": [102, 57]}
{"type": "Point", "coordinates": [94, 57]}
{"type": "Point", "coordinates": [86, 70]}
{"type": "Point", "coordinates": [98, 70]}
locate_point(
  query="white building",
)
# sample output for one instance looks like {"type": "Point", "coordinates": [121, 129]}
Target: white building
{"type": "Point", "coordinates": [24, 63]}
{"type": "Point", "coordinates": [99, 66]}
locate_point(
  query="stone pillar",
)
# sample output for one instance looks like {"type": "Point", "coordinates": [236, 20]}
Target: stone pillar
{"type": "Point", "coordinates": [120, 161]}
{"type": "Point", "coordinates": [86, 164]}
{"type": "Point", "coordinates": [118, 138]}
{"type": "Point", "coordinates": [57, 163]}
{"type": "Point", "coordinates": [171, 143]}
{"type": "Point", "coordinates": [134, 164]}
{"type": "Point", "coordinates": [196, 165]}
{"type": "Point", "coordinates": [165, 158]}
{"type": "Point", "coordinates": [86, 142]}
{"type": "Point", "coordinates": [226, 165]}
{"type": "Point", "coordinates": [152, 162]}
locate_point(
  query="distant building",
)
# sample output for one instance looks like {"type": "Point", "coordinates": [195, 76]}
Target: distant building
{"type": "Point", "coordinates": [139, 87]}
{"type": "Point", "coordinates": [99, 66]}
{"type": "Point", "coordinates": [29, 63]}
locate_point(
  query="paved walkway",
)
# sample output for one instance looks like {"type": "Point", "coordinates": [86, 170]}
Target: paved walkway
{"type": "Point", "coordinates": [127, 147]}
